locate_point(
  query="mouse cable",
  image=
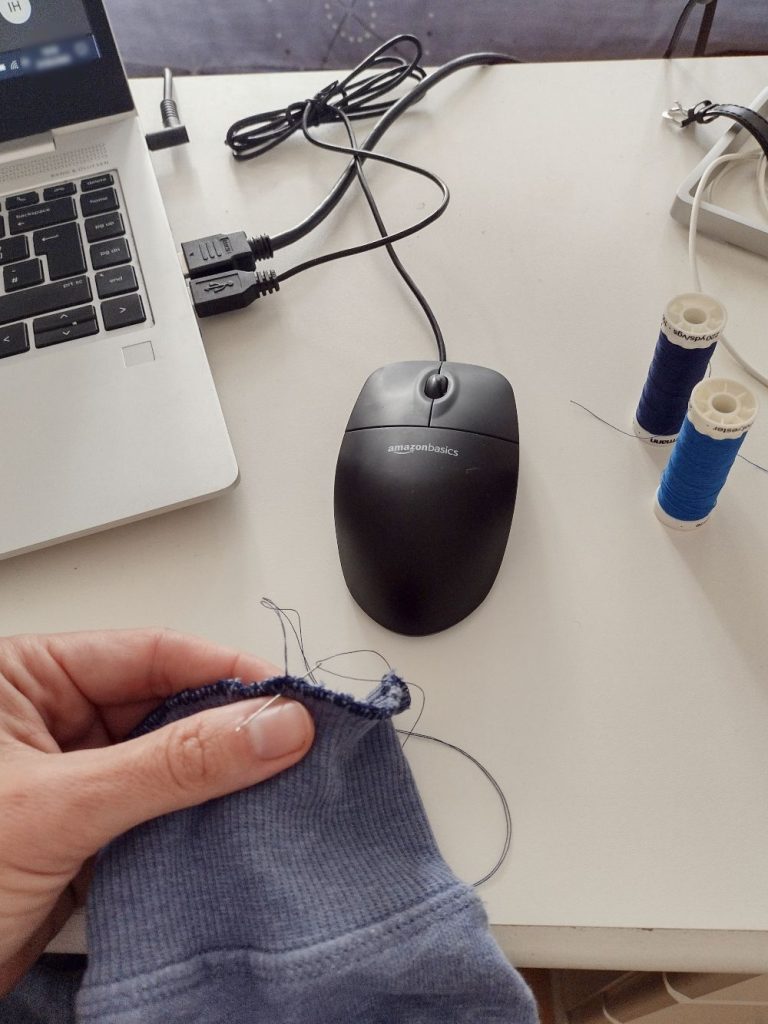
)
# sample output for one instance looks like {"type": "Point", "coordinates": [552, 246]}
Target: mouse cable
{"type": "Point", "coordinates": [410, 283]}
{"type": "Point", "coordinates": [359, 97]}
{"type": "Point", "coordinates": [386, 237]}
{"type": "Point", "coordinates": [358, 156]}
{"type": "Point", "coordinates": [238, 288]}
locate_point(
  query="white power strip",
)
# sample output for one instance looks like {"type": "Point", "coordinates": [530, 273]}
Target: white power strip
{"type": "Point", "coordinates": [715, 220]}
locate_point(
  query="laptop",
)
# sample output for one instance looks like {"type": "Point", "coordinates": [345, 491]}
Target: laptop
{"type": "Point", "coordinates": [107, 405]}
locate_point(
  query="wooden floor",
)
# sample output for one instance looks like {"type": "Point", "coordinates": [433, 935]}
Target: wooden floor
{"type": "Point", "coordinates": [540, 981]}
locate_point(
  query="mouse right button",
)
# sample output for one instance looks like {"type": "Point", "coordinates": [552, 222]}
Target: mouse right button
{"type": "Point", "coordinates": [482, 402]}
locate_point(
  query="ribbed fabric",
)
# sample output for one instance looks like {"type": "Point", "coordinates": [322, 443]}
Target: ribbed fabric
{"type": "Point", "coordinates": [46, 993]}
{"type": "Point", "coordinates": [314, 898]}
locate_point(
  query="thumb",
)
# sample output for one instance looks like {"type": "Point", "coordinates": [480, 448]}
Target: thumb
{"type": "Point", "coordinates": [102, 793]}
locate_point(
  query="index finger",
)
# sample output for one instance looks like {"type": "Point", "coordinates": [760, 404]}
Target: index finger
{"type": "Point", "coordinates": [67, 675]}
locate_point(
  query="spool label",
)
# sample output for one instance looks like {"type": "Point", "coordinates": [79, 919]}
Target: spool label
{"type": "Point", "coordinates": [676, 335]}
{"type": "Point", "coordinates": [725, 431]}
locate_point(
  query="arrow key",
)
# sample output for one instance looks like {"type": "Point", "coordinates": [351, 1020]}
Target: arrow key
{"type": "Point", "coordinates": [123, 312]}
{"type": "Point", "coordinates": [67, 333]}
{"type": "Point", "coordinates": [13, 340]}
{"type": "Point", "coordinates": [66, 318]}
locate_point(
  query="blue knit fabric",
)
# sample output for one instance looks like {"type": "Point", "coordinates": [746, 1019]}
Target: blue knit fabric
{"type": "Point", "coordinates": [318, 897]}
{"type": "Point", "coordinates": [46, 994]}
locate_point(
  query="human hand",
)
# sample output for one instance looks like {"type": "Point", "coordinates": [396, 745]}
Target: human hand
{"type": "Point", "coordinates": [68, 786]}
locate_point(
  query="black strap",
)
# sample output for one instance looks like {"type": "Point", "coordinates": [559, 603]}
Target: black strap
{"type": "Point", "coordinates": [706, 25]}
{"type": "Point", "coordinates": [755, 124]}
{"type": "Point", "coordinates": [705, 28]}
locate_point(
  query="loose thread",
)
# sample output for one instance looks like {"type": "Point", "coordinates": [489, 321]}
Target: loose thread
{"type": "Point", "coordinates": [412, 730]}
{"type": "Point", "coordinates": [363, 679]}
{"type": "Point", "coordinates": [643, 440]}
{"type": "Point", "coordinates": [283, 615]}
{"type": "Point", "coordinates": [626, 433]}
{"type": "Point", "coordinates": [499, 791]}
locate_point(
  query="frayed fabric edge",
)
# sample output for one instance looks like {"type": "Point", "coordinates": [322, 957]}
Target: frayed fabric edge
{"type": "Point", "coordinates": [390, 697]}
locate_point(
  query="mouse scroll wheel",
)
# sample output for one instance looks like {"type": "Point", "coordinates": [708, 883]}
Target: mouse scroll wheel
{"type": "Point", "coordinates": [436, 385]}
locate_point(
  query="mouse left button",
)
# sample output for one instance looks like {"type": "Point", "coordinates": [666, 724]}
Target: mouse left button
{"type": "Point", "coordinates": [394, 396]}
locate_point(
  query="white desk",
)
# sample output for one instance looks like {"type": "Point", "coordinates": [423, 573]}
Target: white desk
{"type": "Point", "coordinates": [616, 679]}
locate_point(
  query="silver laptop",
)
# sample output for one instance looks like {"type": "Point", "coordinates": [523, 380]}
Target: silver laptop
{"type": "Point", "coordinates": [107, 406]}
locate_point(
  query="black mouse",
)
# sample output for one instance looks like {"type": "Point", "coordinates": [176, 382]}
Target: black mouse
{"type": "Point", "coordinates": [425, 489]}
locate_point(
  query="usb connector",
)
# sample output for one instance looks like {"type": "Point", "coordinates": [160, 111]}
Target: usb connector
{"type": "Point", "coordinates": [214, 254]}
{"type": "Point", "coordinates": [235, 289]}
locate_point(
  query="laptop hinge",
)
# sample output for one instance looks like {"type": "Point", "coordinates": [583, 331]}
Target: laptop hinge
{"type": "Point", "coordinates": [23, 149]}
{"type": "Point", "coordinates": [99, 122]}
{"type": "Point", "coordinates": [41, 145]}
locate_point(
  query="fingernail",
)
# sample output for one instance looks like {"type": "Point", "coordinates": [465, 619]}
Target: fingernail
{"type": "Point", "coordinates": [278, 731]}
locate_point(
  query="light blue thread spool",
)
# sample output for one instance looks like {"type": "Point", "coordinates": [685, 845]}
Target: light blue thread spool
{"type": "Point", "coordinates": [690, 328]}
{"type": "Point", "coordinates": [720, 413]}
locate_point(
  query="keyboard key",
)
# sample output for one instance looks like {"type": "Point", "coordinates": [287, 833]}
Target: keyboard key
{"type": "Point", "coordinates": [13, 249]}
{"type": "Point", "coordinates": [13, 340]}
{"type": "Point", "coordinates": [64, 249]}
{"type": "Point", "coordinates": [2, 228]}
{"type": "Point", "coordinates": [108, 226]}
{"type": "Point", "coordinates": [99, 181]}
{"type": "Point", "coordinates": [22, 275]}
{"type": "Point", "coordinates": [109, 254]}
{"type": "Point", "coordinates": [57, 211]}
{"type": "Point", "coordinates": [123, 312]}
{"type": "Point", "coordinates": [119, 281]}
{"type": "Point", "coordinates": [99, 202]}
{"type": "Point", "coordinates": [44, 299]}
{"type": "Point", "coordinates": [21, 200]}
{"type": "Point", "coordinates": [56, 320]}
{"type": "Point", "coordinates": [57, 191]}
{"type": "Point", "coordinates": [56, 337]}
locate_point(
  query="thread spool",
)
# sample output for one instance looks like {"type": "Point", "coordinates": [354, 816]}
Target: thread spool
{"type": "Point", "coordinates": [720, 413]}
{"type": "Point", "coordinates": [690, 328]}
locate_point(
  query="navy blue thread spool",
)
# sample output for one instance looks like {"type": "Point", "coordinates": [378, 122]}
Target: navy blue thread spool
{"type": "Point", "coordinates": [690, 328]}
{"type": "Point", "coordinates": [720, 413]}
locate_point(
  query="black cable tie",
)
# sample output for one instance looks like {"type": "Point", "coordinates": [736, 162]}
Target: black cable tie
{"type": "Point", "coordinates": [320, 106]}
{"type": "Point", "coordinates": [698, 114]}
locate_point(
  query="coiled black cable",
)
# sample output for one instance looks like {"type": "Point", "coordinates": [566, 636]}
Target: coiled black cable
{"type": "Point", "coordinates": [359, 96]}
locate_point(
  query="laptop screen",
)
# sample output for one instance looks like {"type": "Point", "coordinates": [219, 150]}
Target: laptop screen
{"type": "Point", "coordinates": [58, 66]}
{"type": "Point", "coordinates": [38, 36]}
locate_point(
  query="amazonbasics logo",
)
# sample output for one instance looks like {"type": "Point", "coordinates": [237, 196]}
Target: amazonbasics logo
{"type": "Point", "coordinates": [406, 449]}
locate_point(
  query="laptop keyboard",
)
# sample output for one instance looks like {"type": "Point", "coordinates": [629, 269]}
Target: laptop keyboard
{"type": "Point", "coordinates": [67, 266]}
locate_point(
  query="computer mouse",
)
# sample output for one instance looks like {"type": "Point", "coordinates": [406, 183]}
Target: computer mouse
{"type": "Point", "coordinates": [425, 489]}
